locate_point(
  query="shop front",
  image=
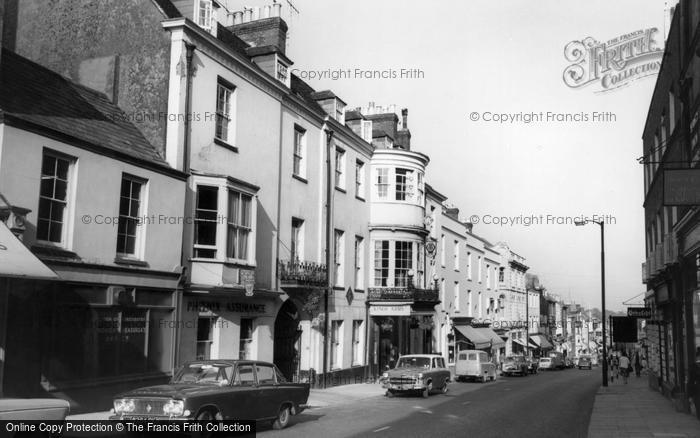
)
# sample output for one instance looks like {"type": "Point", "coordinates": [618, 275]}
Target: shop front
{"type": "Point", "coordinates": [227, 325]}
{"type": "Point", "coordinates": [396, 329]}
{"type": "Point", "coordinates": [470, 335]}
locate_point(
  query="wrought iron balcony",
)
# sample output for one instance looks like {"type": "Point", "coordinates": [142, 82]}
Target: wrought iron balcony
{"type": "Point", "coordinates": [403, 294]}
{"type": "Point", "coordinates": [301, 273]}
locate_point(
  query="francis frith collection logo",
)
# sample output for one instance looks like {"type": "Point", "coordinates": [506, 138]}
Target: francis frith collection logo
{"type": "Point", "coordinates": [615, 63]}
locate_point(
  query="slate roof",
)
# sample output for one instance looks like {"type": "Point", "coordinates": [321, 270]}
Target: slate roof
{"type": "Point", "coordinates": [49, 101]}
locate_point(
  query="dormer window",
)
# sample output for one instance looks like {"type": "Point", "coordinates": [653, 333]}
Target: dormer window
{"type": "Point", "coordinates": [282, 72]}
{"type": "Point", "coordinates": [205, 14]}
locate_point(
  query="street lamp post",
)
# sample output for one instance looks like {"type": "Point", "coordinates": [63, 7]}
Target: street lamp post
{"type": "Point", "coordinates": [602, 289]}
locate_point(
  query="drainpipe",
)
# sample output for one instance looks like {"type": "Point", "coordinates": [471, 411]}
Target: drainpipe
{"type": "Point", "coordinates": [185, 168]}
{"type": "Point", "coordinates": [329, 243]}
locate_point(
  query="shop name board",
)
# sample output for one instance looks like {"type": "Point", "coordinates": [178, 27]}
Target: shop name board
{"type": "Point", "coordinates": [217, 306]}
{"type": "Point", "coordinates": [639, 312]}
{"type": "Point", "coordinates": [391, 310]}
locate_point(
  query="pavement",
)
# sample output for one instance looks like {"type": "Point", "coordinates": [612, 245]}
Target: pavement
{"type": "Point", "coordinates": [318, 398]}
{"type": "Point", "coordinates": [635, 410]}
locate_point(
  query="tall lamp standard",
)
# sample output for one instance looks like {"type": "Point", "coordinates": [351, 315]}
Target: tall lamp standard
{"type": "Point", "coordinates": [580, 223]}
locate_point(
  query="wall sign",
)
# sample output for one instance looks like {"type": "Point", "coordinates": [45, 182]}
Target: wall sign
{"type": "Point", "coordinates": [230, 306]}
{"type": "Point", "coordinates": [390, 310]}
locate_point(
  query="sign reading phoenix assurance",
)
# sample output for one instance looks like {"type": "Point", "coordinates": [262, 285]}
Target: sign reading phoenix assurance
{"type": "Point", "coordinates": [614, 63]}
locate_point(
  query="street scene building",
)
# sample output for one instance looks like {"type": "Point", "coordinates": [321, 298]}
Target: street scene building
{"type": "Point", "coordinates": [671, 271]}
{"type": "Point", "coordinates": [182, 204]}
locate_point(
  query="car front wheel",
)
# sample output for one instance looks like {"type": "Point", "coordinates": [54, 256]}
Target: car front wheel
{"type": "Point", "coordinates": [282, 418]}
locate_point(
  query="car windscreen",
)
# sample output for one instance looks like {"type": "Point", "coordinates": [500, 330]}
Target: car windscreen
{"type": "Point", "coordinates": [205, 374]}
{"type": "Point", "coordinates": [545, 359]}
{"type": "Point", "coordinates": [413, 362]}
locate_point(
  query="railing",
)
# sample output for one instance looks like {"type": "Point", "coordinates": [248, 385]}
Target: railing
{"type": "Point", "coordinates": [302, 272]}
{"type": "Point", "coordinates": [402, 294]}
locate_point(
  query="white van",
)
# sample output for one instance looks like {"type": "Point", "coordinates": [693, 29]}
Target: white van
{"type": "Point", "coordinates": [474, 364]}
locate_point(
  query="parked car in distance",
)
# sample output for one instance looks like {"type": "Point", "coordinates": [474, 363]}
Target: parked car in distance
{"type": "Point", "coordinates": [557, 360]}
{"type": "Point", "coordinates": [585, 362]}
{"type": "Point", "coordinates": [532, 365]}
{"type": "Point", "coordinates": [545, 363]}
{"type": "Point", "coordinates": [44, 409]}
{"type": "Point", "coordinates": [217, 390]}
{"type": "Point", "coordinates": [474, 365]}
{"type": "Point", "coordinates": [422, 373]}
{"type": "Point", "coordinates": [515, 365]}
{"type": "Point", "coordinates": [568, 363]}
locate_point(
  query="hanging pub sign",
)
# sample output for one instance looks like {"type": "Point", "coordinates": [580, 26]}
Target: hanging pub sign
{"type": "Point", "coordinates": [681, 187]}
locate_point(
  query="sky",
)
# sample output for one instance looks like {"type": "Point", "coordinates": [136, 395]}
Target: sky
{"type": "Point", "coordinates": [505, 57]}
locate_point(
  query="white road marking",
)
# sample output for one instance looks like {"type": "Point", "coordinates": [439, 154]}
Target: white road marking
{"type": "Point", "coordinates": [427, 411]}
{"type": "Point", "coordinates": [381, 429]}
{"type": "Point", "coordinates": [466, 402]}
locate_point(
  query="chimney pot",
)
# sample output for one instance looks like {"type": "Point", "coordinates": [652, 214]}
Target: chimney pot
{"type": "Point", "coordinates": [238, 17]}
{"type": "Point", "coordinates": [266, 11]}
{"type": "Point", "coordinates": [404, 118]}
{"type": "Point", "coordinates": [247, 15]}
{"type": "Point", "coordinates": [256, 13]}
{"type": "Point", "coordinates": [276, 9]}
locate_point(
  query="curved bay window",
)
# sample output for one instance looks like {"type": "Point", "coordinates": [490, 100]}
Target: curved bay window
{"type": "Point", "coordinates": [395, 263]}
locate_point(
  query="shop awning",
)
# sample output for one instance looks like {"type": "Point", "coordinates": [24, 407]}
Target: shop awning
{"type": "Point", "coordinates": [541, 342]}
{"type": "Point", "coordinates": [481, 337]}
{"type": "Point", "coordinates": [17, 261]}
{"type": "Point", "coordinates": [522, 343]}
{"type": "Point", "coordinates": [480, 340]}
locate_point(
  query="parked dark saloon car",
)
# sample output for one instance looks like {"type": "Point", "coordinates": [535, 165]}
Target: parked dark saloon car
{"type": "Point", "coordinates": [218, 390]}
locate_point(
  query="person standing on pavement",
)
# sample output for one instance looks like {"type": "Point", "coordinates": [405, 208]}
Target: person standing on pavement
{"type": "Point", "coordinates": [625, 366]}
{"type": "Point", "coordinates": [637, 364]}
{"type": "Point", "coordinates": [613, 367]}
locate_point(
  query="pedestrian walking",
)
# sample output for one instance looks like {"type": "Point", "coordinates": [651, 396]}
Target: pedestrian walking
{"type": "Point", "coordinates": [625, 366]}
{"type": "Point", "coordinates": [614, 367]}
{"type": "Point", "coordinates": [637, 364]}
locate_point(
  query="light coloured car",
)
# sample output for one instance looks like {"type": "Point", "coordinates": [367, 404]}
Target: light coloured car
{"type": "Point", "coordinates": [422, 373]}
{"type": "Point", "coordinates": [546, 363]}
{"type": "Point", "coordinates": [474, 365]}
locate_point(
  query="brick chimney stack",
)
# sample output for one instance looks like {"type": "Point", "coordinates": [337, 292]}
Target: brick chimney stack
{"type": "Point", "coordinates": [403, 136]}
{"type": "Point", "coordinates": [260, 27]}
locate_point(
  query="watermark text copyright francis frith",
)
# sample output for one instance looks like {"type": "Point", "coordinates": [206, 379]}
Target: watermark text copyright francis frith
{"type": "Point", "coordinates": [528, 220]}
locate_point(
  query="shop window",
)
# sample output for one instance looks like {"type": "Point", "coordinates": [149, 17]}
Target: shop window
{"type": "Point", "coordinates": [246, 339]}
{"type": "Point", "coordinates": [205, 337]}
{"type": "Point", "coordinates": [53, 198]}
{"type": "Point", "coordinates": [91, 343]}
{"type": "Point", "coordinates": [205, 221]}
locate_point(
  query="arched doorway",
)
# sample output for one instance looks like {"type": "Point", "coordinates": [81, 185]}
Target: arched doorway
{"type": "Point", "coordinates": [287, 341]}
